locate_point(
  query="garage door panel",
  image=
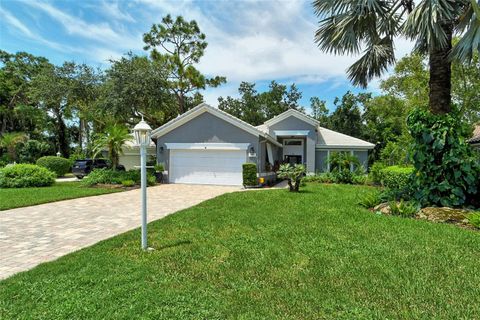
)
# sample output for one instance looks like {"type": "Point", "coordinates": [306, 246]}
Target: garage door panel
{"type": "Point", "coordinates": [222, 167]}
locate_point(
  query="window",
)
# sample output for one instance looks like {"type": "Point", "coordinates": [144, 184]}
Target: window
{"type": "Point", "coordinates": [292, 142]}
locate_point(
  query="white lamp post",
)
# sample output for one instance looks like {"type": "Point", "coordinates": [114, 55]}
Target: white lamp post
{"type": "Point", "coordinates": [142, 137]}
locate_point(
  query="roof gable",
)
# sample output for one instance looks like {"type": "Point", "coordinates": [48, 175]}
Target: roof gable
{"type": "Point", "coordinates": [292, 113]}
{"type": "Point", "coordinates": [202, 108]}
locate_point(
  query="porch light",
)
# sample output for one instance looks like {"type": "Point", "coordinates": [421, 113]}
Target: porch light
{"type": "Point", "coordinates": [142, 137]}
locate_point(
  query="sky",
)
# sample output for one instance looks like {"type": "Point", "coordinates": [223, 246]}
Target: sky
{"type": "Point", "coordinates": [255, 41]}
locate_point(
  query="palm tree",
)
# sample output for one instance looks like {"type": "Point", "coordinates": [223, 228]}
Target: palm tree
{"type": "Point", "coordinates": [348, 26]}
{"type": "Point", "coordinates": [10, 140]}
{"type": "Point", "coordinates": [112, 140]}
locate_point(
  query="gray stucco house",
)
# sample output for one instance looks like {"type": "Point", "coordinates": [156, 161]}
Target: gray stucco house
{"type": "Point", "coordinates": [208, 146]}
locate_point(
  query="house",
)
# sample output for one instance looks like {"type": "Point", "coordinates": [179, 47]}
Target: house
{"type": "Point", "coordinates": [208, 146]}
{"type": "Point", "coordinates": [475, 139]}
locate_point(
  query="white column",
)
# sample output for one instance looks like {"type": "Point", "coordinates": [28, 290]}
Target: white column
{"type": "Point", "coordinates": [310, 155]}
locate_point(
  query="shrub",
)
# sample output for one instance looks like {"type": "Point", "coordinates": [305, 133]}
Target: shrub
{"type": "Point", "coordinates": [60, 166]}
{"type": "Point", "coordinates": [31, 150]}
{"type": "Point", "coordinates": [159, 167]}
{"type": "Point", "coordinates": [446, 170]}
{"type": "Point", "coordinates": [375, 172]}
{"type": "Point", "coordinates": [396, 177]}
{"type": "Point", "coordinates": [25, 175]}
{"type": "Point", "coordinates": [403, 208]}
{"type": "Point", "coordinates": [128, 183]}
{"type": "Point", "coordinates": [249, 173]}
{"type": "Point", "coordinates": [293, 174]}
{"type": "Point", "coordinates": [109, 176]}
{"type": "Point", "coordinates": [474, 219]}
{"type": "Point", "coordinates": [370, 200]}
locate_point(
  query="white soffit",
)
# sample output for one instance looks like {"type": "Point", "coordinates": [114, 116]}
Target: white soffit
{"type": "Point", "coordinates": [207, 146]}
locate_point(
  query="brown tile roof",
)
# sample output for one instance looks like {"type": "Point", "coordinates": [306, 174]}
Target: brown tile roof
{"type": "Point", "coordinates": [476, 135]}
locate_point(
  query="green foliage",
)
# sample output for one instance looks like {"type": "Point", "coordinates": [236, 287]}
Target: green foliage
{"type": "Point", "coordinates": [474, 219]}
{"type": "Point", "coordinates": [370, 200]}
{"type": "Point", "coordinates": [293, 174]}
{"type": "Point", "coordinates": [406, 209]}
{"type": "Point", "coordinates": [32, 150]}
{"type": "Point", "coordinates": [395, 153]}
{"type": "Point", "coordinates": [159, 167]}
{"type": "Point", "coordinates": [375, 174]}
{"type": "Point", "coordinates": [9, 141]}
{"type": "Point", "coordinates": [25, 175]}
{"type": "Point", "coordinates": [446, 170]}
{"type": "Point", "coordinates": [128, 183]}
{"type": "Point", "coordinates": [77, 155]}
{"type": "Point", "coordinates": [110, 176]}
{"type": "Point", "coordinates": [396, 177]}
{"type": "Point", "coordinates": [323, 177]}
{"type": "Point", "coordinates": [340, 166]}
{"type": "Point", "coordinates": [181, 45]}
{"type": "Point", "coordinates": [60, 166]}
{"type": "Point", "coordinates": [256, 108]}
{"type": "Point", "coordinates": [112, 140]}
{"type": "Point", "coordinates": [249, 174]}
{"type": "Point", "coordinates": [347, 117]}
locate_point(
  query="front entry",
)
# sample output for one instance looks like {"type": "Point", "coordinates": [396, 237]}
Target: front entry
{"type": "Point", "coordinates": [293, 151]}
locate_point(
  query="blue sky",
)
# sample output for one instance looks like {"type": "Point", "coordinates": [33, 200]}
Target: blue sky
{"type": "Point", "coordinates": [256, 41]}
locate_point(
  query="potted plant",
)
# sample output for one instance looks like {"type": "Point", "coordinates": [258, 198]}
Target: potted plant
{"type": "Point", "coordinates": [159, 168]}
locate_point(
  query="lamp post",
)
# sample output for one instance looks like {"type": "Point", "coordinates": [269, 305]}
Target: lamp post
{"type": "Point", "coordinates": [142, 137]}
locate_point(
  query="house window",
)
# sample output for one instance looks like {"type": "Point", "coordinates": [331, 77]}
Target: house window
{"type": "Point", "coordinates": [292, 142]}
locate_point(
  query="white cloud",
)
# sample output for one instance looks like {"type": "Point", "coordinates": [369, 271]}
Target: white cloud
{"type": "Point", "coordinates": [18, 26]}
{"type": "Point", "coordinates": [14, 22]}
{"type": "Point", "coordinates": [100, 32]}
{"type": "Point", "coordinates": [112, 9]}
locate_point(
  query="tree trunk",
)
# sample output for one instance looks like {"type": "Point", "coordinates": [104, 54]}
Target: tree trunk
{"type": "Point", "coordinates": [440, 76]}
{"type": "Point", "coordinates": [81, 129]}
{"type": "Point", "coordinates": [62, 135]}
{"type": "Point", "coordinates": [181, 103]}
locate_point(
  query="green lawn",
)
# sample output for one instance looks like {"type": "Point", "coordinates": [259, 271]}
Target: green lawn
{"type": "Point", "coordinates": [263, 255]}
{"type": "Point", "coordinates": [22, 197]}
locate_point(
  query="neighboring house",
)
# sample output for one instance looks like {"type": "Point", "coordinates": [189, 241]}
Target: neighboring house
{"type": "Point", "coordinates": [130, 156]}
{"type": "Point", "coordinates": [475, 139]}
{"type": "Point", "coordinates": [208, 146]}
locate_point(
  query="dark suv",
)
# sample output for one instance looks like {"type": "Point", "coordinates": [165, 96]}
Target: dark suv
{"type": "Point", "coordinates": [83, 167]}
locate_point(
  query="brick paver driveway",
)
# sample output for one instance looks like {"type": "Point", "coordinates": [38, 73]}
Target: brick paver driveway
{"type": "Point", "coordinates": [32, 235]}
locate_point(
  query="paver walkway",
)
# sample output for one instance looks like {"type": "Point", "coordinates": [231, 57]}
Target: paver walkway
{"type": "Point", "coordinates": [32, 235]}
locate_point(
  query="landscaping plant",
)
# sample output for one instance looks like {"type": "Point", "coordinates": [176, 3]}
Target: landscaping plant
{"type": "Point", "coordinates": [446, 170]}
{"type": "Point", "coordinates": [60, 166]}
{"type": "Point", "coordinates": [25, 175]}
{"type": "Point", "coordinates": [293, 174]}
{"type": "Point", "coordinates": [249, 174]}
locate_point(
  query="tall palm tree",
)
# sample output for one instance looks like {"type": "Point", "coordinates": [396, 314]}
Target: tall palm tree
{"type": "Point", "coordinates": [350, 26]}
{"type": "Point", "coordinates": [112, 140]}
{"type": "Point", "coordinates": [9, 141]}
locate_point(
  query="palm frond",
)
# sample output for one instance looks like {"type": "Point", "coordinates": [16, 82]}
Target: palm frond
{"type": "Point", "coordinates": [425, 23]}
{"type": "Point", "coordinates": [470, 40]}
{"type": "Point", "coordinates": [376, 59]}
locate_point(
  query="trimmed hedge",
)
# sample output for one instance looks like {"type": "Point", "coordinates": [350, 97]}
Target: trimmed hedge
{"type": "Point", "coordinates": [60, 166]}
{"type": "Point", "coordinates": [249, 173]}
{"type": "Point", "coordinates": [396, 177]}
{"type": "Point", "coordinates": [109, 176]}
{"type": "Point", "coordinates": [25, 175]}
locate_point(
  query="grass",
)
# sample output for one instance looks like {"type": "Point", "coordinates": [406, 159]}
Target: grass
{"type": "Point", "coordinates": [263, 255]}
{"type": "Point", "coordinates": [21, 197]}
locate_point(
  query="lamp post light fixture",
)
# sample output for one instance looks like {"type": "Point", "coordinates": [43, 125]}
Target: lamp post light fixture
{"type": "Point", "coordinates": [142, 138]}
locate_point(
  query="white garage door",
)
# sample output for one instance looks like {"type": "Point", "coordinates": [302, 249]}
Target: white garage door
{"type": "Point", "coordinates": [222, 167]}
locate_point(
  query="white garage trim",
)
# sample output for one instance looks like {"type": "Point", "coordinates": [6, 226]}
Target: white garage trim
{"type": "Point", "coordinates": [207, 146]}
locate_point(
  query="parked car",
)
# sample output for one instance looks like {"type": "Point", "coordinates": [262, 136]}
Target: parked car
{"type": "Point", "coordinates": [83, 167]}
